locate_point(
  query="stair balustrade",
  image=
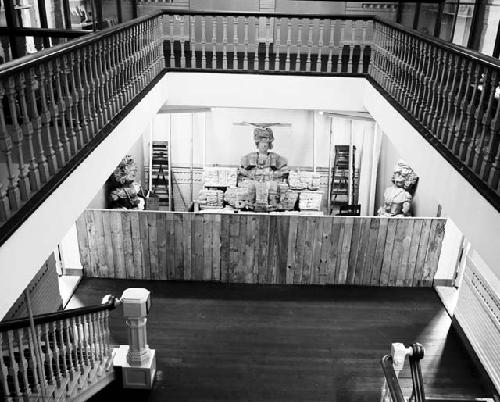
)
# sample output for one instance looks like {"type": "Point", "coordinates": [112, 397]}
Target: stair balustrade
{"type": "Point", "coordinates": [60, 357]}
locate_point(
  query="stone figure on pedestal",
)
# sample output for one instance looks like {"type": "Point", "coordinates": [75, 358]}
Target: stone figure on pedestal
{"type": "Point", "coordinates": [398, 197]}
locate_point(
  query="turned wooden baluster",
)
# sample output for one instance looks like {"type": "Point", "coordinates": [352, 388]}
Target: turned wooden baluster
{"type": "Point", "coordinates": [69, 350]}
{"type": "Point", "coordinates": [36, 120]}
{"type": "Point", "coordinates": [331, 46]}
{"type": "Point", "coordinates": [100, 337]}
{"type": "Point", "coordinates": [363, 47]}
{"type": "Point", "coordinates": [183, 42]}
{"type": "Point", "coordinates": [102, 113]}
{"type": "Point", "coordinates": [398, 66]}
{"type": "Point", "coordinates": [60, 372]}
{"type": "Point", "coordinates": [65, 70]}
{"type": "Point", "coordinates": [74, 90]}
{"type": "Point", "coordinates": [92, 339]}
{"type": "Point", "coordinates": [106, 59]}
{"type": "Point", "coordinates": [214, 42]}
{"type": "Point", "coordinates": [277, 45]}
{"type": "Point", "coordinates": [309, 44]}
{"type": "Point", "coordinates": [459, 103]}
{"type": "Point", "coordinates": [43, 360]}
{"type": "Point", "coordinates": [28, 131]}
{"type": "Point", "coordinates": [4, 371]}
{"type": "Point", "coordinates": [288, 43]}
{"type": "Point", "coordinates": [46, 119]}
{"type": "Point", "coordinates": [87, 95]}
{"type": "Point", "coordinates": [429, 66]}
{"type": "Point", "coordinates": [203, 42]}
{"type": "Point", "coordinates": [490, 170]}
{"type": "Point", "coordinates": [106, 333]}
{"type": "Point", "coordinates": [224, 43]}
{"type": "Point", "coordinates": [13, 192]}
{"type": "Point", "coordinates": [92, 88]}
{"type": "Point", "coordinates": [299, 45]}
{"type": "Point", "coordinates": [407, 99]}
{"type": "Point", "coordinates": [13, 366]}
{"type": "Point", "coordinates": [4, 203]}
{"type": "Point", "coordinates": [58, 138]}
{"type": "Point", "coordinates": [80, 100]}
{"type": "Point", "coordinates": [321, 44]}
{"type": "Point", "coordinates": [482, 130]}
{"type": "Point", "coordinates": [171, 40]}
{"type": "Point", "coordinates": [268, 42]}
{"type": "Point", "coordinates": [466, 137]}
{"type": "Point", "coordinates": [17, 137]}
{"type": "Point", "coordinates": [83, 340]}
{"type": "Point", "coordinates": [43, 329]}
{"type": "Point", "coordinates": [65, 356]}
{"type": "Point", "coordinates": [64, 134]}
{"type": "Point", "coordinates": [33, 364]}
{"type": "Point", "coordinates": [192, 41]}
{"type": "Point", "coordinates": [437, 90]}
{"type": "Point", "coordinates": [235, 43]}
{"type": "Point", "coordinates": [245, 40]}
{"type": "Point", "coordinates": [23, 363]}
{"type": "Point", "coordinates": [451, 79]}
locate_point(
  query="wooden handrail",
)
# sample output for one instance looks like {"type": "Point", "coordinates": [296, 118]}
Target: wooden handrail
{"type": "Point", "coordinates": [58, 51]}
{"type": "Point", "coordinates": [266, 14]}
{"type": "Point", "coordinates": [44, 32]}
{"type": "Point", "coordinates": [57, 316]}
{"type": "Point", "coordinates": [392, 380]}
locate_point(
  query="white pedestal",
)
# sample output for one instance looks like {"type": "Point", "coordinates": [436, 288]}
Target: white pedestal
{"type": "Point", "coordinates": [135, 376]}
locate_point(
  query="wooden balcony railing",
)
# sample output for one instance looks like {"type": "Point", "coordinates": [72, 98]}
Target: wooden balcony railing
{"type": "Point", "coordinates": [56, 103]}
{"type": "Point", "coordinates": [260, 42]}
{"type": "Point", "coordinates": [451, 93]}
{"type": "Point", "coordinates": [56, 356]}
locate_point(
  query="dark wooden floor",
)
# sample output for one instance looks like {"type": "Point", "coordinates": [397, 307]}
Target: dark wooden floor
{"type": "Point", "coordinates": [219, 342]}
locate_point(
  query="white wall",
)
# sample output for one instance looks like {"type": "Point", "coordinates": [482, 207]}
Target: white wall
{"type": "Point", "coordinates": [439, 182]}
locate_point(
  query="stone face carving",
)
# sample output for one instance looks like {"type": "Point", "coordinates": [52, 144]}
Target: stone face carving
{"type": "Point", "coordinates": [263, 165]}
{"type": "Point", "coordinates": [398, 197]}
{"type": "Point", "coordinates": [125, 192]}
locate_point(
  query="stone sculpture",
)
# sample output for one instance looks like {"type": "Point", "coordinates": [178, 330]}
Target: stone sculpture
{"type": "Point", "coordinates": [398, 197]}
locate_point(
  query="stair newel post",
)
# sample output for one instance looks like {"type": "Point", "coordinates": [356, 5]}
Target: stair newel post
{"type": "Point", "coordinates": [137, 360]}
{"type": "Point", "coordinates": [28, 132]}
{"type": "Point", "coordinates": [13, 192]}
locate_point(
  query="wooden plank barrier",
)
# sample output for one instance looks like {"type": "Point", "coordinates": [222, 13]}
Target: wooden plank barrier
{"type": "Point", "coordinates": [260, 248]}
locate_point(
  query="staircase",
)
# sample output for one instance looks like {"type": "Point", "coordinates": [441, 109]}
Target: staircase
{"type": "Point", "coordinates": [62, 356]}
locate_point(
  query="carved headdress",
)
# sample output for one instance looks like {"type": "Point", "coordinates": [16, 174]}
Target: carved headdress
{"type": "Point", "coordinates": [404, 171]}
{"type": "Point", "coordinates": [263, 133]}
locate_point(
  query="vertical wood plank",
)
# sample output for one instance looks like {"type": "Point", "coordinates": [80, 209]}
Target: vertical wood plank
{"type": "Point", "coordinates": [308, 249]}
{"type": "Point", "coordinates": [388, 247]}
{"type": "Point", "coordinates": [179, 244]}
{"type": "Point", "coordinates": [256, 251]}
{"type": "Point", "coordinates": [378, 260]}
{"type": "Point", "coordinates": [299, 252]}
{"type": "Point", "coordinates": [240, 268]}
{"type": "Point", "coordinates": [346, 245]}
{"type": "Point", "coordinates": [170, 233]}
{"type": "Point", "coordinates": [207, 247]}
{"type": "Point", "coordinates": [224, 247]}
{"type": "Point", "coordinates": [292, 239]}
{"type": "Point", "coordinates": [136, 245]}
{"type": "Point", "coordinates": [362, 250]}
{"type": "Point", "coordinates": [405, 252]}
{"type": "Point", "coordinates": [117, 240]}
{"type": "Point", "coordinates": [101, 266]}
{"type": "Point", "coordinates": [153, 245]}
{"type": "Point", "coordinates": [326, 243]}
{"type": "Point", "coordinates": [197, 245]}
{"type": "Point", "coordinates": [83, 242]}
{"type": "Point", "coordinates": [422, 252]}
{"type": "Point", "coordinates": [433, 251]}
{"type": "Point", "coordinates": [249, 245]}
{"type": "Point", "coordinates": [336, 239]}
{"type": "Point", "coordinates": [108, 243]}
{"type": "Point", "coordinates": [216, 238]}
{"type": "Point", "coordinates": [187, 224]}
{"type": "Point", "coordinates": [272, 252]}
{"type": "Point", "coordinates": [128, 252]}
{"type": "Point", "coordinates": [316, 258]}
{"type": "Point", "coordinates": [161, 232]}
{"type": "Point", "coordinates": [412, 255]}
{"type": "Point", "coordinates": [397, 250]}
{"type": "Point", "coordinates": [353, 251]}
{"type": "Point", "coordinates": [145, 268]}
{"type": "Point", "coordinates": [283, 234]}
{"type": "Point", "coordinates": [371, 248]}
{"type": "Point", "coordinates": [234, 244]}
{"type": "Point", "coordinates": [264, 223]}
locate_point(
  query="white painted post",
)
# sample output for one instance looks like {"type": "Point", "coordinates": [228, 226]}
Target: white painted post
{"type": "Point", "coordinates": [137, 360]}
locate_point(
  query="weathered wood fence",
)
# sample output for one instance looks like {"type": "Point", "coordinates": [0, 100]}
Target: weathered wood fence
{"type": "Point", "coordinates": [259, 248]}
